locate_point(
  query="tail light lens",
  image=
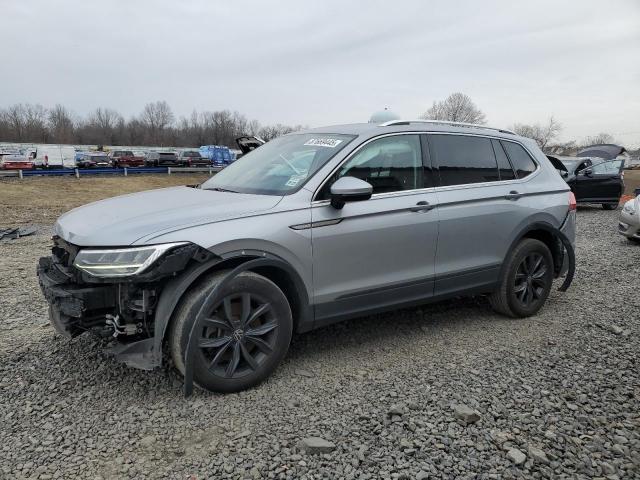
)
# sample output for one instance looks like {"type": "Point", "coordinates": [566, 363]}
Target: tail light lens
{"type": "Point", "coordinates": [572, 201]}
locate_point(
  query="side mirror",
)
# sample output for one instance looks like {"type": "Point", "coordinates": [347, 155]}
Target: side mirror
{"type": "Point", "coordinates": [587, 172]}
{"type": "Point", "coordinates": [349, 189]}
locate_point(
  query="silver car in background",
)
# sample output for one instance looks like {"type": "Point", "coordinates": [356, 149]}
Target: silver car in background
{"type": "Point", "coordinates": [629, 224]}
{"type": "Point", "coordinates": [311, 228]}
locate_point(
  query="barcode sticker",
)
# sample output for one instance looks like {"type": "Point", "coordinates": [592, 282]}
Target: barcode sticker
{"type": "Point", "coordinates": [324, 142]}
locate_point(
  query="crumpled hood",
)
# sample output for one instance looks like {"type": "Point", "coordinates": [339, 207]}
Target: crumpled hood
{"type": "Point", "coordinates": [120, 221]}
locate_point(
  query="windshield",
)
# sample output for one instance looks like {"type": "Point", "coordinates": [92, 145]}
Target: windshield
{"type": "Point", "coordinates": [190, 154]}
{"type": "Point", "coordinates": [280, 166]}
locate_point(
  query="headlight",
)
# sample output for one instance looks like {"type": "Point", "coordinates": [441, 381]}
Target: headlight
{"type": "Point", "coordinates": [121, 262]}
{"type": "Point", "coordinates": [628, 208]}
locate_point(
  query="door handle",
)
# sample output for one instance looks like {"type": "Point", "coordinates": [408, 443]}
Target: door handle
{"type": "Point", "coordinates": [513, 195]}
{"type": "Point", "coordinates": [422, 206]}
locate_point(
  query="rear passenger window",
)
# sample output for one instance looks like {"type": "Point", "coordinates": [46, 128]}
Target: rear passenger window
{"type": "Point", "coordinates": [504, 167]}
{"type": "Point", "coordinates": [463, 159]}
{"type": "Point", "coordinates": [520, 159]}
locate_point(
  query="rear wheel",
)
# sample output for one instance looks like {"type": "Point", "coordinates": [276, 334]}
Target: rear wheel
{"type": "Point", "coordinates": [243, 338]}
{"type": "Point", "coordinates": [609, 206]}
{"type": "Point", "coordinates": [526, 280]}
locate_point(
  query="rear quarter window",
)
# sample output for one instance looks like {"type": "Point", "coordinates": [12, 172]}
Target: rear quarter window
{"type": "Point", "coordinates": [463, 159]}
{"type": "Point", "coordinates": [522, 162]}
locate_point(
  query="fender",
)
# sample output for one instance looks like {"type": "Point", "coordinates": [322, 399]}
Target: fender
{"type": "Point", "coordinates": [566, 243]}
{"type": "Point", "coordinates": [176, 288]}
{"type": "Point", "coordinates": [213, 297]}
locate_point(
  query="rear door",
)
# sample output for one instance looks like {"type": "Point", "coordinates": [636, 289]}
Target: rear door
{"type": "Point", "coordinates": [379, 252]}
{"type": "Point", "coordinates": [482, 202]}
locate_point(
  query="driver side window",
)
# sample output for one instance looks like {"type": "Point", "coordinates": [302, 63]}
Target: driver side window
{"type": "Point", "coordinates": [389, 164]}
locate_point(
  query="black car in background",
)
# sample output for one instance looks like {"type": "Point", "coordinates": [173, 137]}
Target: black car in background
{"type": "Point", "coordinates": [592, 179]}
{"type": "Point", "coordinates": [163, 159]}
{"type": "Point", "coordinates": [192, 158]}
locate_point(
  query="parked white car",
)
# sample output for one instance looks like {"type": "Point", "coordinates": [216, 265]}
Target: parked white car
{"type": "Point", "coordinates": [629, 224]}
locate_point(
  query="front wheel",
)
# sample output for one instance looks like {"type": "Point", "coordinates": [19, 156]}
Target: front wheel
{"type": "Point", "coordinates": [525, 281]}
{"type": "Point", "coordinates": [243, 337]}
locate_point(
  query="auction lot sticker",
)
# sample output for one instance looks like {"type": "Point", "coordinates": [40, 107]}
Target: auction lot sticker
{"type": "Point", "coordinates": [324, 142]}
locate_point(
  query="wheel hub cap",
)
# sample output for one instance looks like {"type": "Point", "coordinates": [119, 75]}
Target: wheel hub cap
{"type": "Point", "coordinates": [238, 334]}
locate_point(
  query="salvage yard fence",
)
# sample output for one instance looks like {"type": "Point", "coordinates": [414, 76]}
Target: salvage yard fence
{"type": "Point", "coordinates": [78, 172]}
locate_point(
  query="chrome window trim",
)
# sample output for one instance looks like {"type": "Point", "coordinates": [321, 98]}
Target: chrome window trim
{"type": "Point", "coordinates": [533, 174]}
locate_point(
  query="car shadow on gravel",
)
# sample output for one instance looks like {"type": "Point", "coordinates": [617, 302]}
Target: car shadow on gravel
{"type": "Point", "coordinates": [83, 364]}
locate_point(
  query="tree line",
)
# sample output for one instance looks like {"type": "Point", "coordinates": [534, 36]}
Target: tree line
{"type": "Point", "coordinates": [156, 125]}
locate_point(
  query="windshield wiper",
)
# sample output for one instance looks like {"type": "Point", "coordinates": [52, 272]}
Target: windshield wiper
{"type": "Point", "coordinates": [218, 189]}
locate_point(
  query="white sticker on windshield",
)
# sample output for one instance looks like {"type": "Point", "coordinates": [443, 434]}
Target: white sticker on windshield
{"type": "Point", "coordinates": [294, 180]}
{"type": "Point", "coordinates": [324, 142]}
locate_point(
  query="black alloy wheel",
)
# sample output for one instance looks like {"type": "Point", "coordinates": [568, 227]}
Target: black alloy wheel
{"type": "Point", "coordinates": [238, 335]}
{"type": "Point", "coordinates": [530, 280]}
{"type": "Point", "coordinates": [525, 280]}
{"type": "Point", "coordinates": [240, 340]}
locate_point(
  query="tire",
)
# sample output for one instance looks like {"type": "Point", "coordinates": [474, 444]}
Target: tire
{"type": "Point", "coordinates": [228, 340]}
{"type": "Point", "coordinates": [508, 298]}
{"type": "Point", "coordinates": [609, 206]}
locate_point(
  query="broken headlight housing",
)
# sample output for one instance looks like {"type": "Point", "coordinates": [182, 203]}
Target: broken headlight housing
{"type": "Point", "coordinates": [120, 262]}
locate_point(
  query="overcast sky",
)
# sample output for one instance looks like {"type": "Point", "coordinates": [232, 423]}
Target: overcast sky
{"type": "Point", "coordinates": [326, 62]}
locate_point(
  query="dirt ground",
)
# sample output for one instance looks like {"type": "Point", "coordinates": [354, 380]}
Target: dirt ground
{"type": "Point", "coordinates": [40, 200]}
{"type": "Point", "coordinates": [631, 181]}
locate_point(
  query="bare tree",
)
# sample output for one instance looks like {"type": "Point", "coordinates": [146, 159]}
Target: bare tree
{"type": "Point", "coordinates": [542, 134]}
{"type": "Point", "coordinates": [60, 125]}
{"type": "Point", "coordinates": [457, 107]}
{"type": "Point", "coordinates": [16, 122]}
{"type": "Point", "coordinates": [272, 131]}
{"type": "Point", "coordinates": [157, 117]}
{"type": "Point", "coordinates": [598, 139]}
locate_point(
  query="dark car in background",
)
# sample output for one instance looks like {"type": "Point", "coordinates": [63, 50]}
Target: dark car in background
{"type": "Point", "coordinates": [596, 175]}
{"type": "Point", "coordinates": [162, 159]}
{"type": "Point", "coordinates": [593, 179]}
{"type": "Point", "coordinates": [192, 158]}
{"type": "Point", "coordinates": [125, 158]}
{"type": "Point", "coordinates": [93, 160]}
{"type": "Point", "coordinates": [248, 143]}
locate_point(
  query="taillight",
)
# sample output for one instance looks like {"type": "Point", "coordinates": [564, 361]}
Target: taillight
{"type": "Point", "coordinates": [572, 201]}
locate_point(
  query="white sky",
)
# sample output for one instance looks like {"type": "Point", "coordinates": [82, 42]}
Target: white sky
{"type": "Point", "coordinates": [318, 62]}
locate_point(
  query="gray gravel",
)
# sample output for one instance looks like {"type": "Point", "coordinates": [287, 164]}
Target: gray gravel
{"type": "Point", "coordinates": [446, 391]}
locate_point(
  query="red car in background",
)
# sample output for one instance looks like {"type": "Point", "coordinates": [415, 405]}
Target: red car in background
{"type": "Point", "coordinates": [125, 158]}
{"type": "Point", "coordinates": [16, 161]}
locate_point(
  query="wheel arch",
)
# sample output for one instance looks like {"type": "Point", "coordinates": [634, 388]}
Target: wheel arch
{"type": "Point", "coordinates": [553, 238]}
{"type": "Point", "coordinates": [263, 263]}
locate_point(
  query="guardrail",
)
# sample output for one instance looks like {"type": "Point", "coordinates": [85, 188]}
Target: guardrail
{"type": "Point", "coordinates": [210, 170]}
{"type": "Point", "coordinates": [78, 172]}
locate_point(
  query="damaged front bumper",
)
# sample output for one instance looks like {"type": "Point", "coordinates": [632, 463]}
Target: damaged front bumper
{"type": "Point", "coordinates": [71, 305]}
{"type": "Point", "coordinates": [122, 309]}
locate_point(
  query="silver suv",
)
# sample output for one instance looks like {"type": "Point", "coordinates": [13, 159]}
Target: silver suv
{"type": "Point", "coordinates": [308, 229]}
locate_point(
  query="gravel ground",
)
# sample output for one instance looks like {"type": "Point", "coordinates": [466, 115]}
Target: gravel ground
{"type": "Point", "coordinates": [446, 391]}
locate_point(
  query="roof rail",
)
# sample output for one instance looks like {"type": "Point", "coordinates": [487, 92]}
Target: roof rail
{"type": "Point", "coordinates": [444, 122]}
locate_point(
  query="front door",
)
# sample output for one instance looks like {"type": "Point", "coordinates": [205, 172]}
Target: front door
{"type": "Point", "coordinates": [379, 252]}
